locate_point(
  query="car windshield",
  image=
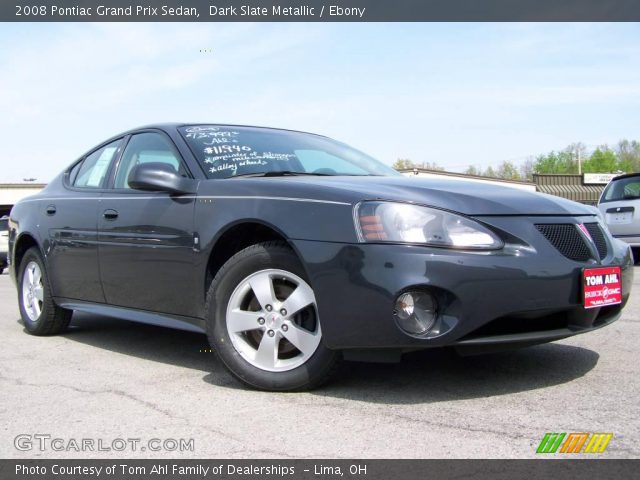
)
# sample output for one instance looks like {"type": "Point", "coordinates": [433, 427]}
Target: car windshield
{"type": "Point", "coordinates": [625, 188]}
{"type": "Point", "coordinates": [228, 151]}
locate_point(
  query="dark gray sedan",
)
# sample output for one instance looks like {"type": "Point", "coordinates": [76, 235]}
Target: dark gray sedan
{"type": "Point", "coordinates": [292, 251]}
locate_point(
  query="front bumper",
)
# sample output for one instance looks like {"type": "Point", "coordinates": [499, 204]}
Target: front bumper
{"type": "Point", "coordinates": [514, 296]}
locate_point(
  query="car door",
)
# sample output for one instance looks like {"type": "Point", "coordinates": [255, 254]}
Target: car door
{"type": "Point", "coordinates": [146, 239]}
{"type": "Point", "coordinates": [70, 223]}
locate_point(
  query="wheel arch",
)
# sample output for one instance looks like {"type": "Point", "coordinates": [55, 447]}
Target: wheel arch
{"type": "Point", "coordinates": [24, 241]}
{"type": "Point", "coordinates": [237, 236]}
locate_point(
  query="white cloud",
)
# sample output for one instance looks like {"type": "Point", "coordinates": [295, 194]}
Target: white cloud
{"type": "Point", "coordinates": [80, 83]}
{"type": "Point", "coordinates": [424, 91]}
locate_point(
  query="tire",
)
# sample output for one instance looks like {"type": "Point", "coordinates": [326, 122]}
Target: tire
{"type": "Point", "coordinates": [41, 316]}
{"type": "Point", "coordinates": [636, 255]}
{"type": "Point", "coordinates": [252, 335]}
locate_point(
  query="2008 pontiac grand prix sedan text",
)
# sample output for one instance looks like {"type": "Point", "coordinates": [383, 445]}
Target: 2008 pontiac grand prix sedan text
{"type": "Point", "coordinates": [291, 251]}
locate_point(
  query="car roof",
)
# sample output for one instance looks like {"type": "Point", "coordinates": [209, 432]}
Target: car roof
{"type": "Point", "coordinates": [174, 125]}
{"type": "Point", "coordinates": [626, 175]}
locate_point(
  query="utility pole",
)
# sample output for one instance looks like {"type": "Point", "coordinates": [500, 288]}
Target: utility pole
{"type": "Point", "coordinates": [579, 162]}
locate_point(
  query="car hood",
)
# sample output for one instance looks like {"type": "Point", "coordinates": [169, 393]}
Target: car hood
{"type": "Point", "coordinates": [467, 197]}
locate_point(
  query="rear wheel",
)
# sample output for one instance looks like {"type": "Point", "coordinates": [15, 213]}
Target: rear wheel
{"type": "Point", "coordinates": [41, 316]}
{"type": "Point", "coordinates": [636, 254]}
{"type": "Point", "coordinates": [262, 321]}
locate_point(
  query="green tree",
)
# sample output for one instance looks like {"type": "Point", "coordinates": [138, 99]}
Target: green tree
{"type": "Point", "coordinates": [473, 170]}
{"type": "Point", "coordinates": [575, 154]}
{"type": "Point", "coordinates": [556, 162]}
{"type": "Point", "coordinates": [628, 153]}
{"type": "Point", "coordinates": [508, 171]}
{"type": "Point", "coordinates": [526, 169]}
{"type": "Point", "coordinates": [490, 172]}
{"type": "Point", "coordinates": [432, 166]}
{"type": "Point", "coordinates": [602, 160]}
{"type": "Point", "coordinates": [403, 164]}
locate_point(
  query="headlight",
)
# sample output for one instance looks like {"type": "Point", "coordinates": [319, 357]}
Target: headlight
{"type": "Point", "coordinates": [406, 223]}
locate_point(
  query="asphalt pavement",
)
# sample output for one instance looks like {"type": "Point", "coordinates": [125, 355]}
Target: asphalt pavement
{"type": "Point", "coordinates": [111, 382]}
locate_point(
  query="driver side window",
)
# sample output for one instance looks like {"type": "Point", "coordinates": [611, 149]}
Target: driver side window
{"type": "Point", "coordinates": [144, 148]}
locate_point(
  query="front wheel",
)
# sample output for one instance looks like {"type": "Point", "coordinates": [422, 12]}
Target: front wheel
{"type": "Point", "coordinates": [262, 321]}
{"type": "Point", "coordinates": [40, 315]}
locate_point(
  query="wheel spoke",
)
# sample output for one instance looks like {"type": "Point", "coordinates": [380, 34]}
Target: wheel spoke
{"type": "Point", "coordinates": [262, 287]}
{"type": "Point", "coordinates": [303, 340]}
{"type": "Point", "coordinates": [30, 275]}
{"type": "Point", "coordinates": [35, 307]}
{"type": "Point", "coordinates": [39, 293]}
{"type": "Point", "coordinates": [37, 276]}
{"type": "Point", "coordinates": [241, 321]}
{"type": "Point", "coordinates": [301, 297]}
{"type": "Point", "coordinates": [267, 352]}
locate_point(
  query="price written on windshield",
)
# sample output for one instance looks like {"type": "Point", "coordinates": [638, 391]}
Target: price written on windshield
{"type": "Point", "coordinates": [219, 149]}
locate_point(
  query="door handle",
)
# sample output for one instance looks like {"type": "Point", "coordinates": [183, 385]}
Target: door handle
{"type": "Point", "coordinates": [51, 210]}
{"type": "Point", "coordinates": [110, 214]}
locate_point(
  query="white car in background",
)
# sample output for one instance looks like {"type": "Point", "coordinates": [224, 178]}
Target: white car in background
{"type": "Point", "coordinates": [4, 242]}
{"type": "Point", "coordinates": [620, 207]}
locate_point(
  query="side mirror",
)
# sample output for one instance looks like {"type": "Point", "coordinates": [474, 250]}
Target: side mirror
{"type": "Point", "coordinates": [160, 177]}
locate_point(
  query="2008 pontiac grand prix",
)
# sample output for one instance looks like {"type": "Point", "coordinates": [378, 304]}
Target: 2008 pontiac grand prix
{"type": "Point", "coordinates": [291, 251]}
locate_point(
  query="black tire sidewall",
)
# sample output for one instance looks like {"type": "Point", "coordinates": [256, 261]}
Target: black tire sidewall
{"type": "Point", "coordinates": [32, 255]}
{"type": "Point", "coordinates": [243, 264]}
{"type": "Point", "coordinates": [53, 319]}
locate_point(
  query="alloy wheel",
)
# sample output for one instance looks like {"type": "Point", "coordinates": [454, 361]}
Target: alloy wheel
{"type": "Point", "coordinates": [272, 320]}
{"type": "Point", "coordinates": [32, 291]}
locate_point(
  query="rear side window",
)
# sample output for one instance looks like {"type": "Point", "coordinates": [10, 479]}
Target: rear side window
{"type": "Point", "coordinates": [627, 188]}
{"type": "Point", "coordinates": [94, 167]}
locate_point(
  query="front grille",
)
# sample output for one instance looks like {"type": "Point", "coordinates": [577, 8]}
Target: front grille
{"type": "Point", "coordinates": [598, 238]}
{"type": "Point", "coordinates": [567, 240]}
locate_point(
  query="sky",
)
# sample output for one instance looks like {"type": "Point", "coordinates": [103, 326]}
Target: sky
{"type": "Point", "coordinates": [452, 93]}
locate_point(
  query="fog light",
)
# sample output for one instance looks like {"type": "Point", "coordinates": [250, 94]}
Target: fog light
{"type": "Point", "coordinates": [415, 312]}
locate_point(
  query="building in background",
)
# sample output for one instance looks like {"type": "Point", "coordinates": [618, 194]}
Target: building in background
{"type": "Point", "coordinates": [425, 173]}
{"type": "Point", "coordinates": [10, 193]}
{"type": "Point", "coordinates": [585, 188]}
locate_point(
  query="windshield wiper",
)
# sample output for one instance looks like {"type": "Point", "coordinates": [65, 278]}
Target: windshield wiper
{"type": "Point", "coordinates": [282, 173]}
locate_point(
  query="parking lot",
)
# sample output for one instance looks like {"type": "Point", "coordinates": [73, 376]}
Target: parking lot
{"type": "Point", "coordinates": [109, 379]}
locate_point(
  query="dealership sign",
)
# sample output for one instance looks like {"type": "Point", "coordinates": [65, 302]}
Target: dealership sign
{"type": "Point", "coordinates": [598, 178]}
{"type": "Point", "coordinates": [602, 287]}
